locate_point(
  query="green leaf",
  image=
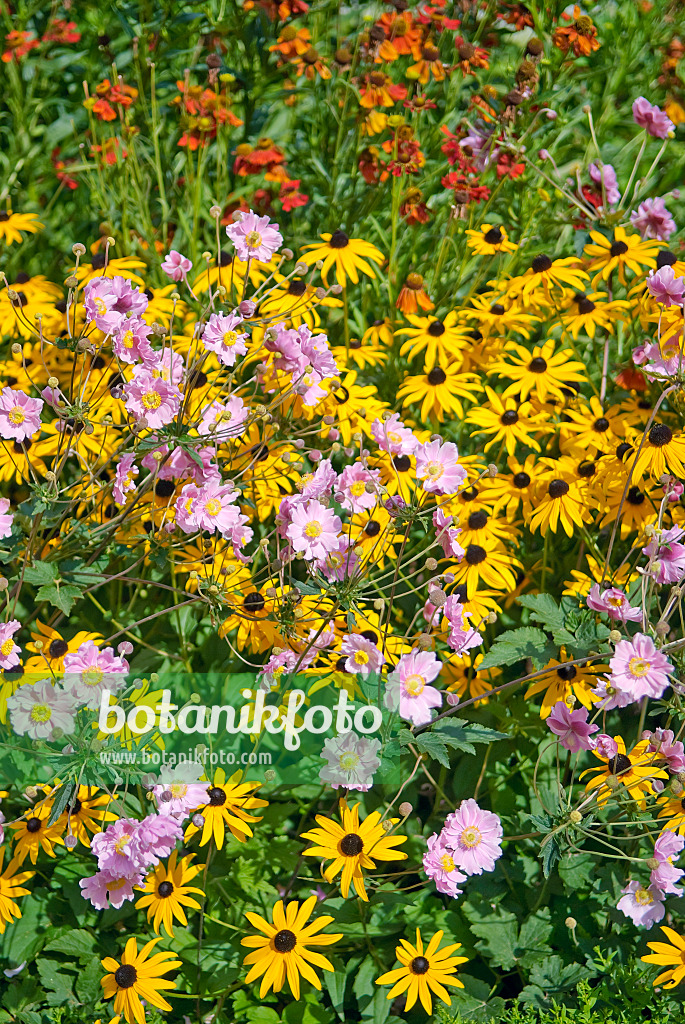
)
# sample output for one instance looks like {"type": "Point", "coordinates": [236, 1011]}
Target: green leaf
{"type": "Point", "coordinates": [430, 743]}
{"type": "Point", "coordinates": [74, 942]}
{"type": "Point", "coordinates": [41, 572]}
{"type": "Point", "coordinates": [61, 801]}
{"type": "Point", "coordinates": [550, 855]}
{"type": "Point", "coordinates": [499, 935]}
{"type": "Point", "coordinates": [57, 983]}
{"type": "Point", "coordinates": [544, 609]}
{"type": "Point", "coordinates": [62, 595]}
{"type": "Point", "coordinates": [517, 645]}
{"type": "Point", "coordinates": [335, 982]}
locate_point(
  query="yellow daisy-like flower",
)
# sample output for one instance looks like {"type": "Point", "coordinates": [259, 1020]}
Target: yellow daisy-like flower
{"type": "Point", "coordinates": [590, 429]}
{"type": "Point", "coordinates": [588, 312]}
{"type": "Point", "coordinates": [33, 834]}
{"type": "Point", "coordinates": [672, 956]}
{"type": "Point", "coordinates": [491, 563]}
{"type": "Point", "coordinates": [662, 452]}
{"type": "Point", "coordinates": [353, 846]}
{"type": "Point", "coordinates": [439, 391]}
{"type": "Point", "coordinates": [542, 372]}
{"type": "Point", "coordinates": [546, 273]}
{"type": "Point", "coordinates": [634, 770]}
{"type": "Point", "coordinates": [86, 812]}
{"type": "Point", "coordinates": [167, 891]}
{"type": "Point", "coordinates": [440, 340]}
{"type": "Point", "coordinates": [626, 251]}
{"type": "Point", "coordinates": [138, 976]}
{"type": "Point", "coordinates": [229, 803]}
{"type": "Point", "coordinates": [558, 502]}
{"type": "Point", "coordinates": [673, 808]}
{"type": "Point", "coordinates": [53, 648]}
{"type": "Point", "coordinates": [11, 888]}
{"type": "Point", "coordinates": [12, 225]}
{"type": "Point", "coordinates": [562, 681]}
{"type": "Point", "coordinates": [506, 423]}
{"type": "Point", "coordinates": [282, 951]}
{"type": "Point", "coordinates": [495, 318]}
{"type": "Point", "coordinates": [347, 255]}
{"type": "Point", "coordinates": [424, 971]}
{"type": "Point", "coordinates": [489, 240]}
{"type": "Point", "coordinates": [355, 407]}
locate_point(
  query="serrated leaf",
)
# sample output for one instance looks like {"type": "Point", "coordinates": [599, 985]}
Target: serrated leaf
{"type": "Point", "coordinates": [544, 609]}
{"type": "Point", "coordinates": [61, 800]}
{"type": "Point", "coordinates": [430, 743]}
{"type": "Point", "coordinates": [62, 595]}
{"type": "Point", "coordinates": [551, 854]}
{"type": "Point", "coordinates": [517, 645]}
{"type": "Point", "coordinates": [41, 572]}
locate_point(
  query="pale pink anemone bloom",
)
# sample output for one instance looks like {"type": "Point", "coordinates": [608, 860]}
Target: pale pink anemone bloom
{"type": "Point", "coordinates": [605, 177]}
{"type": "Point", "coordinates": [606, 746]}
{"type": "Point", "coordinates": [19, 415]}
{"type": "Point", "coordinates": [474, 837]}
{"type": "Point", "coordinates": [313, 529]}
{"type": "Point", "coordinates": [92, 670]}
{"type": "Point", "coordinates": [214, 508]}
{"type": "Point", "coordinates": [351, 761]}
{"type": "Point", "coordinates": [352, 485]}
{"type": "Point", "coordinates": [439, 866]}
{"type": "Point", "coordinates": [221, 337]}
{"type": "Point", "coordinates": [106, 889]}
{"type": "Point", "coordinates": [572, 727]}
{"type": "Point", "coordinates": [37, 710]}
{"type": "Point", "coordinates": [639, 669]}
{"type": "Point", "coordinates": [362, 655]}
{"type": "Point", "coordinates": [223, 420]}
{"type": "Point", "coordinates": [643, 905]}
{"type": "Point", "coordinates": [9, 650]}
{"type": "Point", "coordinates": [125, 478]}
{"type": "Point", "coordinates": [438, 467]}
{"type": "Point", "coordinates": [254, 237]}
{"type": "Point", "coordinates": [408, 687]}
{"type": "Point", "coordinates": [446, 534]}
{"type": "Point", "coordinates": [614, 603]}
{"type": "Point", "coordinates": [665, 287]}
{"type": "Point", "coordinates": [650, 117]}
{"type": "Point", "coordinates": [177, 799]}
{"type": "Point", "coordinates": [176, 265]}
{"type": "Point", "coordinates": [667, 555]}
{"type": "Point", "coordinates": [131, 342]}
{"type": "Point", "coordinates": [462, 636]}
{"type": "Point", "coordinates": [663, 742]}
{"type": "Point", "coordinates": [393, 437]}
{"type": "Point", "coordinates": [6, 518]}
{"type": "Point", "coordinates": [664, 876]}
{"type": "Point", "coordinates": [653, 220]}
{"type": "Point", "coordinates": [152, 398]}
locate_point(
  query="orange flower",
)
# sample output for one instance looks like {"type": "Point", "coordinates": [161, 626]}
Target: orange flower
{"type": "Point", "coordinates": [401, 36]}
{"type": "Point", "coordinates": [428, 63]}
{"type": "Point", "coordinates": [380, 91]}
{"type": "Point", "coordinates": [18, 45]}
{"type": "Point", "coordinates": [412, 295]}
{"type": "Point", "coordinates": [581, 36]}
{"type": "Point", "coordinates": [292, 42]}
{"type": "Point", "coordinates": [265, 156]}
{"type": "Point", "coordinates": [471, 56]}
{"type": "Point", "coordinates": [310, 64]}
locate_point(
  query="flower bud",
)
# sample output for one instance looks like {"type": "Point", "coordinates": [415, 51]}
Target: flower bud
{"type": "Point", "coordinates": [405, 809]}
{"type": "Point", "coordinates": [269, 775]}
{"type": "Point", "coordinates": [571, 923]}
{"type": "Point", "coordinates": [615, 636]}
{"type": "Point", "coordinates": [70, 841]}
{"type": "Point", "coordinates": [198, 820]}
{"type": "Point", "coordinates": [78, 249]}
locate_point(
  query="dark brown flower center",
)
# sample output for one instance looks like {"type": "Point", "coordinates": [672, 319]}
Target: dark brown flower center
{"type": "Point", "coordinates": [401, 463]}
{"type": "Point", "coordinates": [254, 603]}
{"type": "Point", "coordinates": [509, 417]}
{"type": "Point", "coordinates": [585, 305]}
{"type": "Point", "coordinates": [437, 376]}
{"type": "Point", "coordinates": [339, 240]}
{"type": "Point", "coordinates": [351, 845]}
{"type": "Point", "coordinates": [217, 797]}
{"type": "Point", "coordinates": [33, 825]}
{"type": "Point", "coordinates": [601, 425]}
{"type": "Point", "coordinates": [557, 488]}
{"type": "Point", "coordinates": [635, 496]}
{"type": "Point", "coordinates": [126, 976]}
{"type": "Point", "coordinates": [372, 528]}
{"type": "Point", "coordinates": [475, 554]}
{"type": "Point", "coordinates": [477, 520]}
{"type": "Point", "coordinates": [165, 889]}
{"type": "Point", "coordinates": [618, 248]}
{"type": "Point", "coordinates": [436, 329]}
{"type": "Point", "coordinates": [619, 763]}
{"type": "Point", "coordinates": [567, 672]}
{"type": "Point", "coordinates": [537, 365]}
{"type": "Point", "coordinates": [419, 965]}
{"type": "Point", "coordinates": [285, 940]}
{"type": "Point", "coordinates": [521, 480]}
{"type": "Point", "coordinates": [660, 434]}
{"type": "Point", "coordinates": [541, 263]}
{"type": "Point", "coordinates": [497, 309]}
{"type": "Point", "coordinates": [58, 648]}
{"type": "Point", "coordinates": [494, 236]}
